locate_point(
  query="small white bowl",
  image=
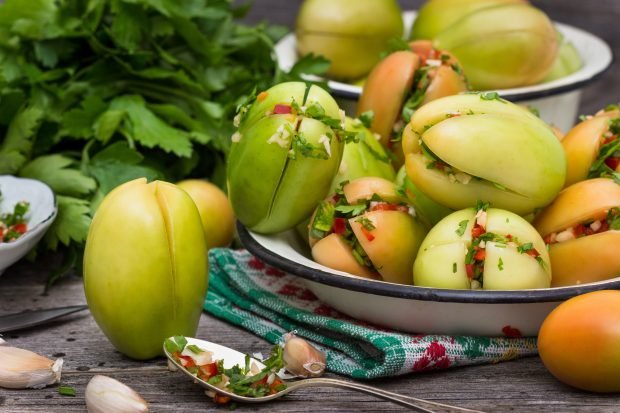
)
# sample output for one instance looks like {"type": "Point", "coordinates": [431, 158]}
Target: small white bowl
{"type": "Point", "coordinates": [40, 216]}
{"type": "Point", "coordinates": [415, 309]}
{"type": "Point", "coordinates": [557, 101]}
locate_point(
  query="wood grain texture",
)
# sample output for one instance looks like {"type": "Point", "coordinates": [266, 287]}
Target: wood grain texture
{"type": "Point", "coordinates": [521, 385]}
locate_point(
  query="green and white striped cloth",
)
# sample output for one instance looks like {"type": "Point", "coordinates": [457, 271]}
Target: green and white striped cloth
{"type": "Point", "coordinates": [269, 303]}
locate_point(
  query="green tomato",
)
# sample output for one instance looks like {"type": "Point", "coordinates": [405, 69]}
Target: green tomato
{"type": "Point", "coordinates": [429, 211]}
{"type": "Point", "coordinates": [366, 157]}
{"type": "Point", "coordinates": [437, 15]}
{"type": "Point", "coordinates": [281, 164]}
{"type": "Point", "coordinates": [442, 258]}
{"type": "Point", "coordinates": [566, 62]}
{"type": "Point", "coordinates": [502, 47]}
{"type": "Point", "coordinates": [461, 149]}
{"type": "Point", "coordinates": [145, 266]}
{"type": "Point", "coordinates": [350, 33]}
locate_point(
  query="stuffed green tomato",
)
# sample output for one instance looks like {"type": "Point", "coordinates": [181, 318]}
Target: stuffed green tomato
{"type": "Point", "coordinates": [483, 248]}
{"type": "Point", "coordinates": [477, 146]}
{"type": "Point", "coordinates": [367, 229]}
{"type": "Point", "coordinates": [284, 155]}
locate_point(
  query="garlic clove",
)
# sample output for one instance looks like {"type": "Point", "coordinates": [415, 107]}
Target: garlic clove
{"type": "Point", "coordinates": [301, 358]}
{"type": "Point", "coordinates": [20, 369]}
{"type": "Point", "coordinates": [106, 395]}
{"type": "Point", "coordinates": [2, 341]}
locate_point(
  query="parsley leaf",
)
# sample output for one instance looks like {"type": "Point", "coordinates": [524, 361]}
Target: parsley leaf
{"type": "Point", "coordinates": [462, 226]}
{"type": "Point", "coordinates": [351, 209]}
{"type": "Point", "coordinates": [71, 223]}
{"type": "Point", "coordinates": [57, 171]}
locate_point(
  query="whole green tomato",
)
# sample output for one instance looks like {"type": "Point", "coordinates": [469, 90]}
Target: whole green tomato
{"type": "Point", "coordinates": [352, 34]}
{"type": "Point", "coordinates": [145, 266]}
{"type": "Point", "coordinates": [578, 342]}
{"type": "Point", "coordinates": [502, 47]}
{"type": "Point", "coordinates": [566, 62]}
{"type": "Point", "coordinates": [489, 249]}
{"type": "Point", "coordinates": [465, 148]}
{"type": "Point", "coordinates": [284, 156]}
{"type": "Point", "coordinates": [437, 15]}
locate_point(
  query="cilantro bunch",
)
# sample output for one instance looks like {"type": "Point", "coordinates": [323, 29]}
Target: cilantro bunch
{"type": "Point", "coordinates": [95, 93]}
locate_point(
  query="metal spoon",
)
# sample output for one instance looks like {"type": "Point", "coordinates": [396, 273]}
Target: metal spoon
{"type": "Point", "coordinates": [232, 357]}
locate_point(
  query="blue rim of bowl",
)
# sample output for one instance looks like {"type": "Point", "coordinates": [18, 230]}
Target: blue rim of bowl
{"type": "Point", "coordinates": [412, 292]}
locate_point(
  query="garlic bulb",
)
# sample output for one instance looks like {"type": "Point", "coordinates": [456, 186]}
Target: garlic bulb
{"type": "Point", "coordinates": [301, 358]}
{"type": "Point", "coordinates": [20, 369]}
{"type": "Point", "coordinates": [107, 395]}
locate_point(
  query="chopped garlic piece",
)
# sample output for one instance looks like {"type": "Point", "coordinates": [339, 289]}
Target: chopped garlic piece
{"type": "Point", "coordinates": [481, 218]}
{"type": "Point", "coordinates": [596, 225]}
{"type": "Point", "coordinates": [202, 358]}
{"type": "Point", "coordinates": [236, 137]}
{"type": "Point", "coordinates": [343, 167]}
{"type": "Point", "coordinates": [565, 235]}
{"type": "Point", "coordinates": [462, 177]}
{"type": "Point", "coordinates": [433, 62]}
{"type": "Point", "coordinates": [475, 285]}
{"type": "Point", "coordinates": [281, 137]}
{"type": "Point", "coordinates": [326, 143]}
{"type": "Point", "coordinates": [377, 136]}
{"type": "Point", "coordinates": [343, 117]}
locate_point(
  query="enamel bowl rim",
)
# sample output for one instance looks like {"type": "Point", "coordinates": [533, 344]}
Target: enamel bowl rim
{"type": "Point", "coordinates": [591, 70]}
{"type": "Point", "coordinates": [255, 244]}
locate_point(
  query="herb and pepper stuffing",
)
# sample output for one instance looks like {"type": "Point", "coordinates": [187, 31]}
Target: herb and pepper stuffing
{"type": "Point", "coordinates": [367, 229]}
{"type": "Point", "coordinates": [14, 224]}
{"type": "Point", "coordinates": [247, 380]}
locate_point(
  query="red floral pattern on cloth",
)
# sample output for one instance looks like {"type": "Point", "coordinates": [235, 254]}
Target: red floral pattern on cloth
{"type": "Point", "coordinates": [269, 302]}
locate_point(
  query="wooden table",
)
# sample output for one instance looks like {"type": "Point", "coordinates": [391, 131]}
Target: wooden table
{"type": "Point", "coordinates": [522, 385]}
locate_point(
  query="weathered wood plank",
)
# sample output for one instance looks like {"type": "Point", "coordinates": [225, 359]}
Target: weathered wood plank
{"type": "Point", "coordinates": [522, 385]}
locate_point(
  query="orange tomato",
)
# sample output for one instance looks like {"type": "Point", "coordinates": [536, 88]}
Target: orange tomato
{"type": "Point", "coordinates": [579, 341]}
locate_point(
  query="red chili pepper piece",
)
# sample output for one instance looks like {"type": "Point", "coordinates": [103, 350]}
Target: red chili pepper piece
{"type": "Point", "coordinates": [367, 234]}
{"type": "Point", "coordinates": [282, 109]}
{"type": "Point", "coordinates": [221, 398]}
{"type": "Point", "coordinates": [469, 269]}
{"type": "Point", "coordinates": [533, 253]}
{"type": "Point", "coordinates": [476, 231]}
{"type": "Point", "coordinates": [384, 207]}
{"type": "Point", "coordinates": [579, 230]}
{"type": "Point", "coordinates": [339, 226]}
{"type": "Point", "coordinates": [480, 255]}
{"type": "Point", "coordinates": [612, 162]}
{"type": "Point", "coordinates": [512, 332]}
{"type": "Point", "coordinates": [207, 371]}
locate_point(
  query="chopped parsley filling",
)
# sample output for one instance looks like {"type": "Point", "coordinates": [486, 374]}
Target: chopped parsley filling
{"type": "Point", "coordinates": [586, 228]}
{"type": "Point", "coordinates": [475, 258]}
{"type": "Point", "coordinates": [14, 224]}
{"type": "Point", "coordinates": [333, 215]}
{"type": "Point", "coordinates": [246, 380]}
{"type": "Point", "coordinates": [608, 159]}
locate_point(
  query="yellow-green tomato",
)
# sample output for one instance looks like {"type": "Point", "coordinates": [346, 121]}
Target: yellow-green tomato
{"type": "Point", "coordinates": [350, 33]}
{"type": "Point", "coordinates": [284, 156]}
{"type": "Point", "coordinates": [566, 62]}
{"type": "Point", "coordinates": [145, 266]}
{"type": "Point", "coordinates": [465, 148]}
{"type": "Point", "coordinates": [218, 219]}
{"type": "Point", "coordinates": [578, 342]}
{"type": "Point", "coordinates": [429, 211]}
{"type": "Point", "coordinates": [502, 47]}
{"type": "Point", "coordinates": [437, 15]}
{"type": "Point", "coordinates": [364, 156]}
{"type": "Point", "coordinates": [492, 250]}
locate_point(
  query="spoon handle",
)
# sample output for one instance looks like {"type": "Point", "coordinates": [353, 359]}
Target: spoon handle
{"type": "Point", "coordinates": [419, 405]}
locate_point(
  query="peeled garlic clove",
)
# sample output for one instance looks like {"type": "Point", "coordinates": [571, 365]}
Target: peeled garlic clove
{"type": "Point", "coordinates": [20, 369]}
{"type": "Point", "coordinates": [301, 358]}
{"type": "Point", "coordinates": [107, 395]}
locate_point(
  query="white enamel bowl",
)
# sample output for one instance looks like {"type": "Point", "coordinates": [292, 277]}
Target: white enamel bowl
{"type": "Point", "coordinates": [40, 216]}
{"type": "Point", "coordinates": [415, 309]}
{"type": "Point", "coordinates": [557, 101]}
